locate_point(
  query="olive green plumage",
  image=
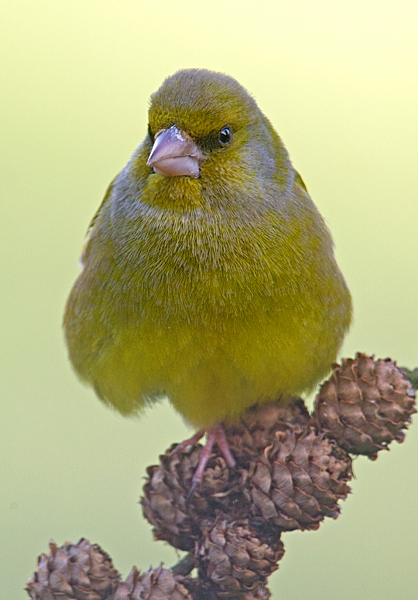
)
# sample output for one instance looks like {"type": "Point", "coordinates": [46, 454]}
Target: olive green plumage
{"type": "Point", "coordinates": [220, 290]}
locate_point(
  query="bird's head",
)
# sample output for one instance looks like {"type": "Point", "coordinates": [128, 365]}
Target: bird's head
{"type": "Point", "coordinates": [196, 117]}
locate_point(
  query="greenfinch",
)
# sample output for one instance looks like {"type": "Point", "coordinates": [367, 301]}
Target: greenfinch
{"type": "Point", "coordinates": [208, 274]}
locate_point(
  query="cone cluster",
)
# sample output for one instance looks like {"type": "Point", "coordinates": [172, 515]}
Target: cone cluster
{"type": "Point", "coordinates": [287, 477]}
{"type": "Point", "coordinates": [292, 470]}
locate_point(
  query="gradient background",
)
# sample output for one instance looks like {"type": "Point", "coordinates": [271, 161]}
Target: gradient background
{"type": "Point", "coordinates": [339, 81]}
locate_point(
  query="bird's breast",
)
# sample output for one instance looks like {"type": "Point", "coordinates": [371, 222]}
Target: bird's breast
{"type": "Point", "coordinates": [203, 266]}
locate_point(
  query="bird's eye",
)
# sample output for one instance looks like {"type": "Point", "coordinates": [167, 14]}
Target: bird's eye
{"type": "Point", "coordinates": [225, 136]}
{"type": "Point", "coordinates": [215, 140]}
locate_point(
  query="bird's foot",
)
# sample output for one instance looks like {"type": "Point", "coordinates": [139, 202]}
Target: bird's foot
{"type": "Point", "coordinates": [214, 435]}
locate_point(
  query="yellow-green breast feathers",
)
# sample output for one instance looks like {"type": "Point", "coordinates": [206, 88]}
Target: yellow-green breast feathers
{"type": "Point", "coordinates": [218, 288]}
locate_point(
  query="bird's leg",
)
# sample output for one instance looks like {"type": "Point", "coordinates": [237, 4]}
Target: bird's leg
{"type": "Point", "coordinates": [214, 434]}
{"type": "Point", "coordinates": [223, 445]}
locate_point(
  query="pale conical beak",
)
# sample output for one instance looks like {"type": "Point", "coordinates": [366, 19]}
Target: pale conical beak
{"type": "Point", "coordinates": [174, 155]}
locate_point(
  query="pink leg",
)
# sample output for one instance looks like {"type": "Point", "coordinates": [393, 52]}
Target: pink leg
{"type": "Point", "coordinates": [215, 434]}
{"type": "Point", "coordinates": [223, 446]}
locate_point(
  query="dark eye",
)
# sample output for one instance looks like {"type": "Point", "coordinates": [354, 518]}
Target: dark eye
{"type": "Point", "coordinates": [150, 134]}
{"type": "Point", "coordinates": [225, 136]}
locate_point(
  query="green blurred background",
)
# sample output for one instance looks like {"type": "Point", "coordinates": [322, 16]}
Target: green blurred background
{"type": "Point", "coordinates": [339, 81]}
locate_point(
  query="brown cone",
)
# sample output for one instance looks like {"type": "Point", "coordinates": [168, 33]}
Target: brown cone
{"type": "Point", "coordinates": [82, 571]}
{"type": "Point", "coordinates": [176, 518]}
{"type": "Point", "coordinates": [155, 584]}
{"type": "Point", "coordinates": [237, 559]}
{"type": "Point", "coordinates": [299, 480]}
{"type": "Point", "coordinates": [258, 426]}
{"type": "Point", "coordinates": [365, 405]}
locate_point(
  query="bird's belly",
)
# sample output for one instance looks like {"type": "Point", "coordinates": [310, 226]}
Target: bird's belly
{"type": "Point", "coordinates": [213, 374]}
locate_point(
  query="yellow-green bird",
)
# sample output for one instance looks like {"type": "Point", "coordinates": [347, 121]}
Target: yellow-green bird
{"type": "Point", "coordinates": [208, 273]}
